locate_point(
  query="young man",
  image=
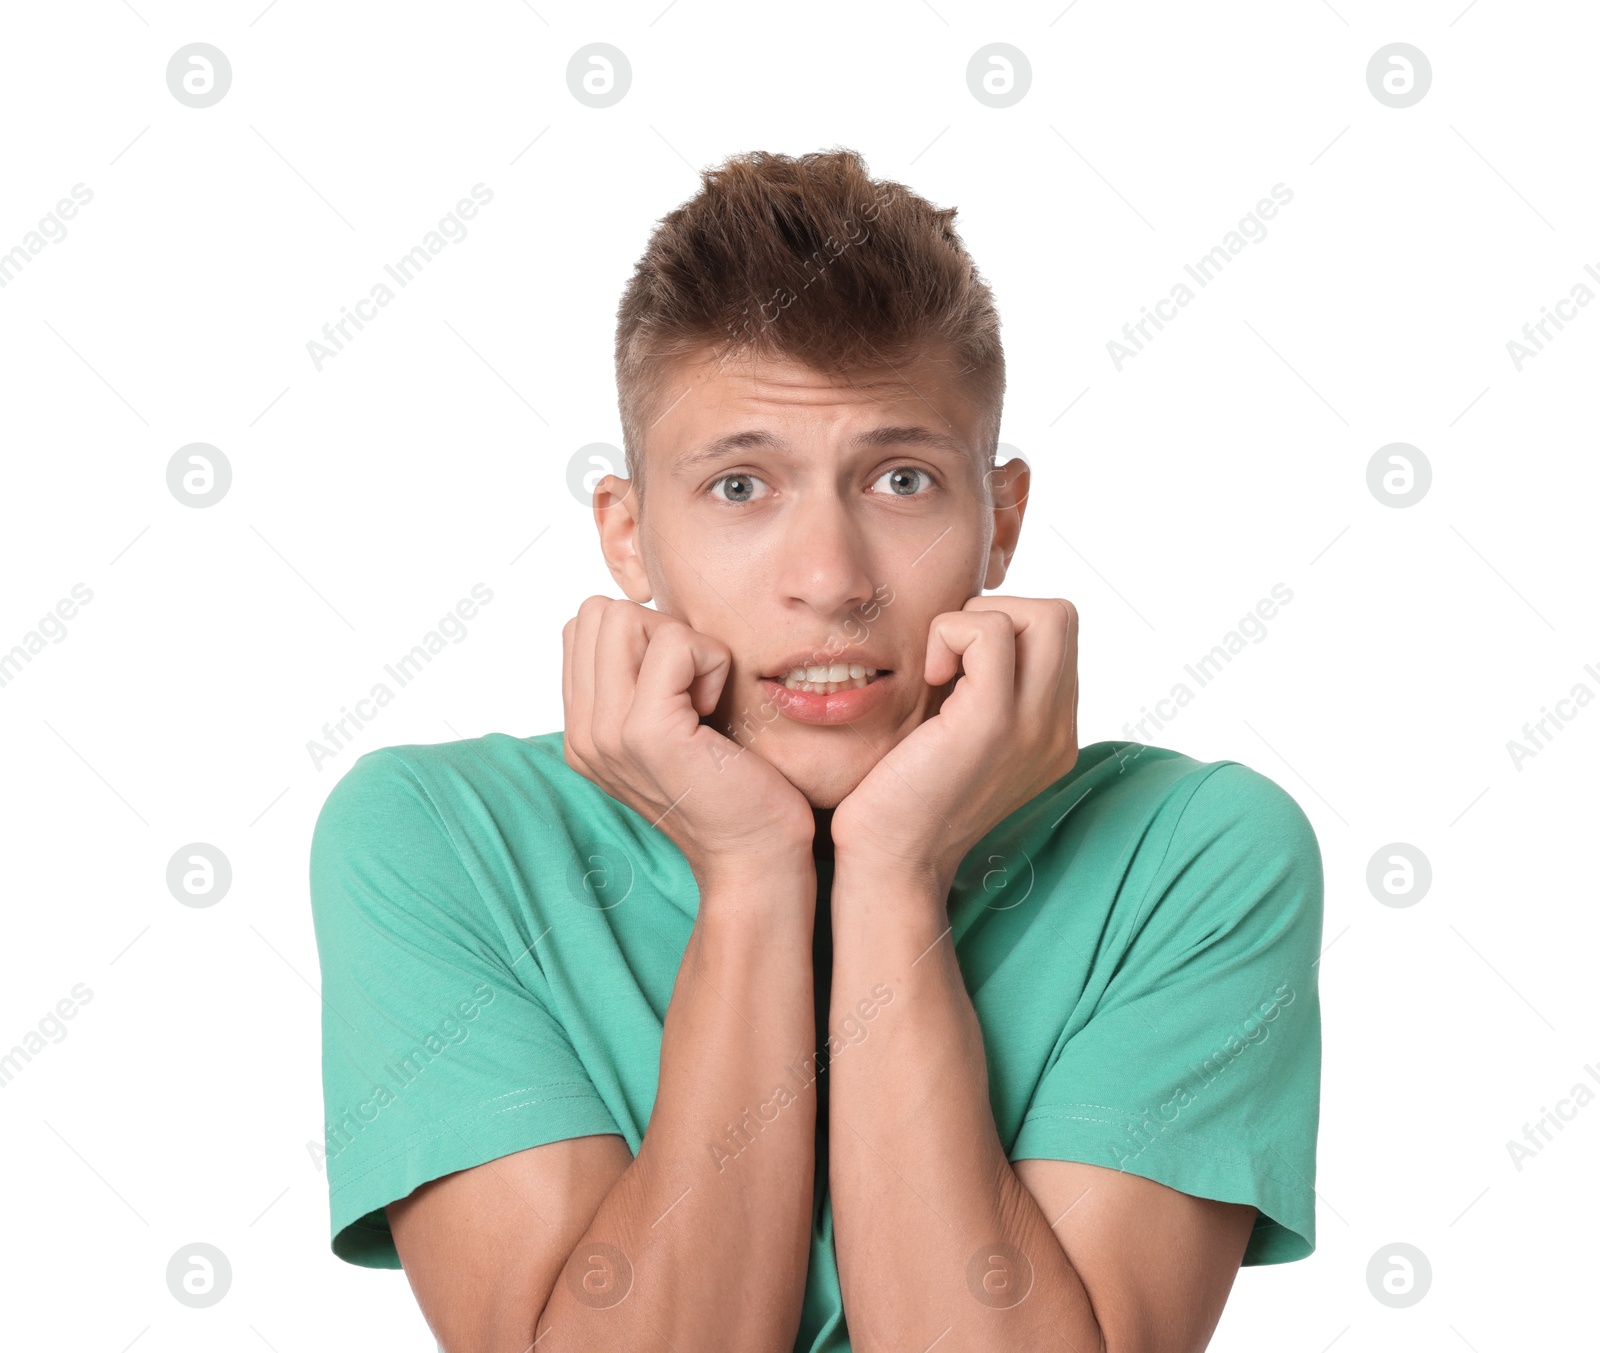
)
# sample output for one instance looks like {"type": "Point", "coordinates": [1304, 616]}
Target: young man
{"type": "Point", "coordinates": [813, 976]}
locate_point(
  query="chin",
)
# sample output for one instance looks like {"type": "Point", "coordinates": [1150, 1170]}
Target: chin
{"type": "Point", "coordinates": [825, 786]}
{"type": "Point", "coordinates": [828, 798]}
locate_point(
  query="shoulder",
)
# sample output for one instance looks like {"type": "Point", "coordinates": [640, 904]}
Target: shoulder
{"type": "Point", "coordinates": [496, 809]}
{"type": "Point", "coordinates": [437, 779]}
{"type": "Point", "coordinates": [1231, 796]}
{"type": "Point", "coordinates": [1209, 840]}
{"type": "Point", "coordinates": [1131, 823]}
{"type": "Point", "coordinates": [1231, 853]}
{"type": "Point", "coordinates": [427, 834]}
{"type": "Point", "coordinates": [428, 807]}
{"type": "Point", "coordinates": [1180, 798]}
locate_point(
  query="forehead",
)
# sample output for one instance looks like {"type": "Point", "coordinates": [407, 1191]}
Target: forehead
{"type": "Point", "coordinates": [713, 407]}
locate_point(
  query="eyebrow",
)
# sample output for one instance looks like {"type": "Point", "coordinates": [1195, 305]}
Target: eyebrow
{"type": "Point", "coordinates": [761, 440]}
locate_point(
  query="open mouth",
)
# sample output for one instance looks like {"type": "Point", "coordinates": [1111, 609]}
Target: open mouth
{"type": "Point", "coordinates": [828, 678]}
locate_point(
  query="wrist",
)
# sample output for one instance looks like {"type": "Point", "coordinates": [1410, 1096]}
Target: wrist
{"type": "Point", "coordinates": [893, 879]}
{"type": "Point", "coordinates": [892, 854]}
{"type": "Point", "coordinates": [775, 877]}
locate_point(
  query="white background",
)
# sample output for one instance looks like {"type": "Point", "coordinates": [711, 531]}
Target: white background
{"type": "Point", "coordinates": [431, 454]}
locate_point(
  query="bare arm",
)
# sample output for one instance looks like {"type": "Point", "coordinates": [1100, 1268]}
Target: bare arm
{"type": "Point", "coordinates": [914, 1152]}
{"type": "Point", "coordinates": [715, 1225]}
{"type": "Point", "coordinates": [936, 1232]}
{"type": "Point", "coordinates": [703, 1238]}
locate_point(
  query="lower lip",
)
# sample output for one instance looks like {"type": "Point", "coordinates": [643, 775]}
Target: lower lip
{"type": "Point", "coordinates": [815, 707]}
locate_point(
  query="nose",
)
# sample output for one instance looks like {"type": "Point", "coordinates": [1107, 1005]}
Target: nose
{"type": "Point", "coordinates": [826, 559]}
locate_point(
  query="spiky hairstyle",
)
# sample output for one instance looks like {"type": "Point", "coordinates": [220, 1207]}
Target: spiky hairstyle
{"type": "Point", "coordinates": [807, 258]}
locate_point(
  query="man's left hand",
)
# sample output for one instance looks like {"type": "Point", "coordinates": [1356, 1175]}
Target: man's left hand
{"type": "Point", "coordinates": [1006, 732]}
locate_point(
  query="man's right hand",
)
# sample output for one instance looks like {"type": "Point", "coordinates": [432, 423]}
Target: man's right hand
{"type": "Point", "coordinates": [635, 684]}
{"type": "Point", "coordinates": [709, 1248]}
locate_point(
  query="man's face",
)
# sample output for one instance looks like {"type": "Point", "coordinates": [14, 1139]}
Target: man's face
{"type": "Point", "coordinates": [808, 521]}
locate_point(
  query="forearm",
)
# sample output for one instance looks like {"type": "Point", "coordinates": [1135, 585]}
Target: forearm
{"type": "Point", "coordinates": [714, 1224]}
{"type": "Point", "coordinates": [928, 1213]}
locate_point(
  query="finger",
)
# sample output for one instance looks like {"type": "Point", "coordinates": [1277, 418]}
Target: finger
{"type": "Point", "coordinates": [566, 669]}
{"type": "Point", "coordinates": [1066, 690]}
{"type": "Point", "coordinates": [1046, 639]}
{"type": "Point", "coordinates": [572, 745]}
{"type": "Point", "coordinates": [983, 641]}
{"type": "Point", "coordinates": [580, 726]}
{"type": "Point", "coordinates": [1072, 664]}
{"type": "Point", "coordinates": [620, 643]}
{"type": "Point", "coordinates": [1045, 629]}
{"type": "Point", "coordinates": [1047, 672]}
{"type": "Point", "coordinates": [1069, 662]}
{"type": "Point", "coordinates": [681, 664]}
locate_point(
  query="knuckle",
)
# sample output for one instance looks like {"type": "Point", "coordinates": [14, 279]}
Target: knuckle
{"type": "Point", "coordinates": [606, 738]}
{"type": "Point", "coordinates": [1000, 621]}
{"type": "Point", "coordinates": [629, 731]}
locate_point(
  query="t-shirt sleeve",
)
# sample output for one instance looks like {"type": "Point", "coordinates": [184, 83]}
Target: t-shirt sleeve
{"type": "Point", "coordinates": [1200, 1065]}
{"type": "Point", "coordinates": [438, 1049]}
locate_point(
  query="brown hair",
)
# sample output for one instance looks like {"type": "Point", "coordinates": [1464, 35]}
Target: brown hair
{"type": "Point", "coordinates": [807, 258]}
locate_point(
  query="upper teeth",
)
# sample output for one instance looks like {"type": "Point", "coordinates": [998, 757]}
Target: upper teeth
{"type": "Point", "coordinates": [828, 675]}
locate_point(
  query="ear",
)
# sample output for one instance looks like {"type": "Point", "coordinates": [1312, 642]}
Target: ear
{"type": "Point", "coordinates": [1008, 487]}
{"type": "Point", "coordinates": [616, 516]}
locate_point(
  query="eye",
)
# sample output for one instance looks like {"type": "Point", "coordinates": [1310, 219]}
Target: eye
{"type": "Point", "coordinates": [900, 476]}
{"type": "Point", "coordinates": [741, 488]}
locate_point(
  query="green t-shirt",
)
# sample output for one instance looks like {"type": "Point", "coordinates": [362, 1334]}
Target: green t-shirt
{"type": "Point", "coordinates": [499, 940]}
